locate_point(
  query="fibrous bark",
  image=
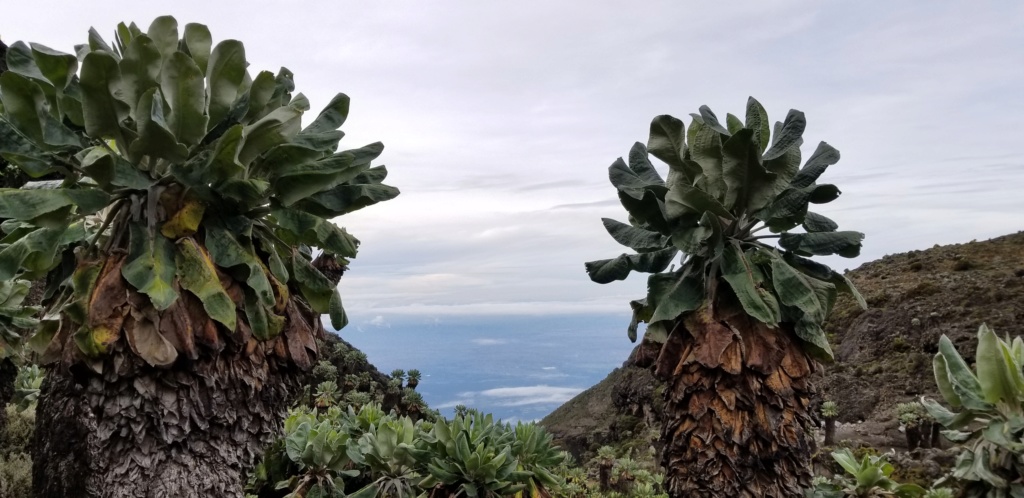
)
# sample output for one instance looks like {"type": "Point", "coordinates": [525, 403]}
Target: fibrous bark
{"type": "Point", "coordinates": [118, 425]}
{"type": "Point", "coordinates": [737, 407]}
{"type": "Point", "coordinates": [8, 372]}
{"type": "Point", "coordinates": [150, 432]}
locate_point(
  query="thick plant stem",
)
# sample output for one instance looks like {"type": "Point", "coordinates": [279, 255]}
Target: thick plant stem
{"type": "Point", "coordinates": [153, 432]}
{"type": "Point", "coordinates": [830, 431]}
{"type": "Point", "coordinates": [737, 408]}
{"type": "Point", "coordinates": [8, 372]}
{"type": "Point", "coordinates": [115, 426]}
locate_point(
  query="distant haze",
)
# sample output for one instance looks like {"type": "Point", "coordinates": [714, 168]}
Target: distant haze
{"type": "Point", "coordinates": [500, 119]}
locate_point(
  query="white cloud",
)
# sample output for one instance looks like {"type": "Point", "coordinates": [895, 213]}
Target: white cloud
{"type": "Point", "coordinates": [531, 395]}
{"type": "Point", "coordinates": [379, 322]}
{"type": "Point", "coordinates": [548, 368]}
{"type": "Point", "coordinates": [486, 341]}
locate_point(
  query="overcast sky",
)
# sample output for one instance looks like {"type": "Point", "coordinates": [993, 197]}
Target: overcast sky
{"type": "Point", "coordinates": [500, 119]}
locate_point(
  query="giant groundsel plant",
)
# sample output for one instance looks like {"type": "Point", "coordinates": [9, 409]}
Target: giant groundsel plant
{"type": "Point", "coordinates": [730, 190]}
{"type": "Point", "coordinates": [183, 199]}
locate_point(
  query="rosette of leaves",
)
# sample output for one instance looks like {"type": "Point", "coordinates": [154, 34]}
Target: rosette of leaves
{"type": "Point", "coordinates": [320, 450]}
{"type": "Point", "coordinates": [472, 457]}
{"type": "Point", "coordinates": [725, 186]}
{"type": "Point", "coordinates": [211, 191]}
{"type": "Point", "coordinates": [536, 454]}
{"type": "Point", "coordinates": [389, 452]}
{"type": "Point", "coordinates": [15, 319]}
{"type": "Point", "coordinates": [213, 196]}
{"type": "Point", "coordinates": [727, 237]}
{"type": "Point", "coordinates": [830, 412]}
{"type": "Point", "coordinates": [866, 478]}
{"type": "Point", "coordinates": [327, 394]}
{"type": "Point", "coordinates": [413, 378]}
{"type": "Point", "coordinates": [986, 417]}
{"type": "Point", "coordinates": [26, 386]}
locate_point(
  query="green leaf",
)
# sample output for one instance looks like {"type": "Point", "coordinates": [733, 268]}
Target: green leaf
{"type": "Point", "coordinates": [155, 138]}
{"type": "Point", "coordinates": [963, 381]}
{"type": "Point", "coordinates": [103, 113]}
{"type": "Point", "coordinates": [315, 287]}
{"type": "Point", "coordinates": [20, 60]}
{"type": "Point", "coordinates": [35, 252]}
{"type": "Point", "coordinates": [224, 74]}
{"type": "Point", "coordinates": [994, 374]}
{"type": "Point", "coordinates": [711, 121]}
{"type": "Point", "coordinates": [746, 181]}
{"type": "Point", "coordinates": [822, 272]}
{"type": "Point", "coordinates": [823, 157]}
{"type": "Point", "coordinates": [757, 120]}
{"type": "Point", "coordinates": [26, 108]}
{"type": "Point", "coordinates": [788, 210]}
{"type": "Point", "coordinates": [667, 139]}
{"type": "Point", "coordinates": [228, 252]}
{"type": "Point", "coordinates": [33, 166]}
{"type": "Point", "coordinates": [667, 142]}
{"type": "Point", "coordinates": [635, 238]}
{"type": "Point", "coordinates": [224, 164]}
{"type": "Point", "coordinates": [627, 181]}
{"type": "Point", "coordinates": [747, 281]}
{"type": "Point", "coordinates": [181, 82]}
{"type": "Point", "coordinates": [942, 380]}
{"type": "Point", "coordinates": [297, 182]}
{"type": "Point", "coordinates": [647, 213]}
{"type": "Point", "coordinates": [164, 33]}
{"type": "Point", "coordinates": [150, 266]}
{"type": "Point", "coordinates": [285, 157]}
{"type": "Point", "coordinates": [111, 169]}
{"type": "Point", "coordinates": [706, 150]}
{"type": "Point", "coordinates": [345, 199]}
{"type": "Point", "coordinates": [331, 118]}
{"type": "Point", "coordinates": [734, 124]}
{"type": "Point", "coordinates": [791, 133]}
{"type": "Point", "coordinates": [305, 228]}
{"type": "Point", "coordinates": [29, 205]}
{"type": "Point", "coordinates": [250, 193]}
{"type": "Point", "coordinates": [609, 270]}
{"type": "Point", "coordinates": [813, 297]}
{"type": "Point", "coordinates": [57, 67]}
{"type": "Point", "coordinates": [846, 244]}
{"type": "Point", "coordinates": [274, 129]}
{"type": "Point", "coordinates": [198, 42]}
{"type": "Point", "coordinates": [642, 167]}
{"type": "Point", "coordinates": [197, 274]}
{"type": "Point", "coordinates": [337, 312]}
{"type": "Point", "coordinates": [815, 222]}
{"type": "Point", "coordinates": [821, 194]}
{"type": "Point", "coordinates": [140, 69]}
{"type": "Point", "coordinates": [814, 339]}
{"type": "Point", "coordinates": [265, 324]}
{"type": "Point", "coordinates": [71, 102]}
{"type": "Point", "coordinates": [686, 200]}
{"type": "Point", "coordinates": [96, 42]}
{"type": "Point", "coordinates": [672, 294]}
{"type": "Point", "coordinates": [260, 93]}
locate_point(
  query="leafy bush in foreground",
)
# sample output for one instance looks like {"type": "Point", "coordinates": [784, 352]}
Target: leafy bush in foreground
{"type": "Point", "coordinates": [868, 477]}
{"type": "Point", "coordinates": [370, 453]}
{"type": "Point", "coordinates": [989, 414]}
